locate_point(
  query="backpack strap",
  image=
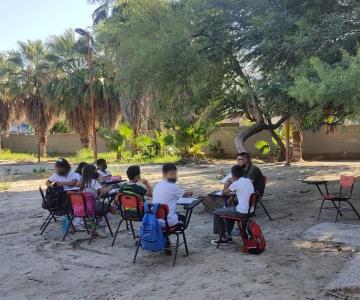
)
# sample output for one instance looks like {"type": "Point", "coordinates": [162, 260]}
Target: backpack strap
{"type": "Point", "coordinates": [155, 208]}
{"type": "Point", "coordinates": [146, 207]}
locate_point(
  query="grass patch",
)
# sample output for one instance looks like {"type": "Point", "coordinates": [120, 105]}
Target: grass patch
{"type": "Point", "coordinates": [5, 183]}
{"type": "Point", "coordinates": [86, 156]}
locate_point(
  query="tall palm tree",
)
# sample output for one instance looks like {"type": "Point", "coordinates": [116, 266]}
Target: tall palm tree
{"type": "Point", "coordinates": [69, 89]}
{"type": "Point", "coordinates": [25, 80]}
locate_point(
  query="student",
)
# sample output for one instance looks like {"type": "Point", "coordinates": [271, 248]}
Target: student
{"type": "Point", "coordinates": [250, 171]}
{"type": "Point", "coordinates": [104, 173]}
{"type": "Point", "coordinates": [136, 184]}
{"type": "Point", "coordinates": [63, 176]}
{"type": "Point", "coordinates": [167, 192]}
{"type": "Point", "coordinates": [80, 168]}
{"type": "Point", "coordinates": [90, 183]}
{"type": "Point", "coordinates": [243, 188]}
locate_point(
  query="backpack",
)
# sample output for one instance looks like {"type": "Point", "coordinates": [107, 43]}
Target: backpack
{"type": "Point", "coordinates": [253, 238]}
{"type": "Point", "coordinates": [55, 197]}
{"type": "Point", "coordinates": [151, 235]}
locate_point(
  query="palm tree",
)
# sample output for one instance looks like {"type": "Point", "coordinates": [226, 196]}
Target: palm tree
{"type": "Point", "coordinates": [69, 89]}
{"type": "Point", "coordinates": [6, 109]}
{"type": "Point", "coordinates": [28, 74]}
{"type": "Point", "coordinates": [103, 11]}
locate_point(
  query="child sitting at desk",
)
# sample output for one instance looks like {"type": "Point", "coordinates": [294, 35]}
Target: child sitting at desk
{"type": "Point", "coordinates": [136, 184]}
{"type": "Point", "coordinates": [90, 184]}
{"type": "Point", "coordinates": [168, 192]}
{"type": "Point", "coordinates": [104, 173]}
{"type": "Point", "coordinates": [243, 188]}
{"type": "Point", "coordinates": [63, 176]}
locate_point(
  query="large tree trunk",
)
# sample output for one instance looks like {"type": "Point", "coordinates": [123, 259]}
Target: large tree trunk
{"type": "Point", "coordinates": [244, 135]}
{"type": "Point", "coordinates": [280, 143]}
{"type": "Point", "coordinates": [42, 143]}
{"type": "Point", "coordinates": [85, 141]}
{"type": "Point", "coordinates": [297, 140]}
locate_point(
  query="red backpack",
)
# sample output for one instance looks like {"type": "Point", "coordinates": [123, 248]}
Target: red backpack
{"type": "Point", "coordinates": [253, 238]}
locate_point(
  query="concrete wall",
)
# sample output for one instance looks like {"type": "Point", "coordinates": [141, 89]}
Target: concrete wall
{"type": "Point", "coordinates": [57, 143]}
{"type": "Point", "coordinates": [343, 143]}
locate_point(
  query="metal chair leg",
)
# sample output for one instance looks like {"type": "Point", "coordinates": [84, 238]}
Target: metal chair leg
{"type": "Point", "coordinates": [263, 206]}
{"type": "Point", "coordinates": [116, 233]}
{"type": "Point", "coordinates": [353, 208]}
{"type": "Point", "coordinates": [337, 213]}
{"type": "Point", "coordinates": [86, 226]}
{"type": "Point", "coordinates": [136, 251]}
{"type": "Point", "coordinates": [47, 218]}
{"type": "Point", "coordinates": [46, 225]}
{"type": "Point", "coordinates": [93, 232]}
{"type": "Point", "coordinates": [185, 243]}
{"type": "Point", "coordinates": [321, 207]}
{"type": "Point", "coordinates": [108, 225]}
{"type": "Point", "coordinates": [132, 230]}
{"type": "Point", "coordinates": [176, 249]}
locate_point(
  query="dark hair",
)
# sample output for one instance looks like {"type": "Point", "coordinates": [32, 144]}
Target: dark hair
{"type": "Point", "coordinates": [132, 172]}
{"type": "Point", "coordinates": [168, 167]}
{"type": "Point", "coordinates": [89, 173]}
{"type": "Point", "coordinates": [100, 161]}
{"type": "Point", "coordinates": [80, 167]}
{"type": "Point", "coordinates": [244, 154]}
{"type": "Point", "coordinates": [63, 163]}
{"type": "Point", "coordinates": [237, 171]}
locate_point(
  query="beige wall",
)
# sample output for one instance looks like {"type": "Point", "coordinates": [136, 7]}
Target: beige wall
{"type": "Point", "coordinates": [344, 143]}
{"type": "Point", "coordinates": [57, 143]}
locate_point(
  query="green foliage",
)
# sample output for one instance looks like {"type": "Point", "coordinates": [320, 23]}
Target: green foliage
{"type": "Point", "coordinates": [191, 140]}
{"type": "Point", "coordinates": [60, 127]}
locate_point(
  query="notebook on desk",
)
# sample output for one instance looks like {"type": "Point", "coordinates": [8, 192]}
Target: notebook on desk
{"type": "Point", "coordinates": [183, 201]}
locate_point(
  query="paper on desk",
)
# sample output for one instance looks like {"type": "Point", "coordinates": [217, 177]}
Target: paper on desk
{"type": "Point", "coordinates": [114, 191]}
{"type": "Point", "coordinates": [185, 200]}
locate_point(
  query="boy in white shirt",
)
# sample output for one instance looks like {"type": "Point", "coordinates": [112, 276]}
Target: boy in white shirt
{"type": "Point", "coordinates": [167, 192]}
{"type": "Point", "coordinates": [243, 188]}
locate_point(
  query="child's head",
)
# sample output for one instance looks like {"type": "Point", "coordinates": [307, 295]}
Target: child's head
{"type": "Point", "coordinates": [170, 172]}
{"type": "Point", "coordinates": [101, 164]}
{"type": "Point", "coordinates": [133, 173]}
{"type": "Point", "coordinates": [89, 173]}
{"type": "Point", "coordinates": [80, 167]}
{"type": "Point", "coordinates": [62, 167]}
{"type": "Point", "coordinates": [237, 172]}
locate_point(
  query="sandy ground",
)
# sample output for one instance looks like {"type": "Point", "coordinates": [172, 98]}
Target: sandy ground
{"type": "Point", "coordinates": [45, 267]}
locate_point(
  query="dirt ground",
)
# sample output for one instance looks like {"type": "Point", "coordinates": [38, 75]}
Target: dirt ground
{"type": "Point", "coordinates": [44, 267]}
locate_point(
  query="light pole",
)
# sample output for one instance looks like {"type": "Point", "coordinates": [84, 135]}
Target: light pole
{"type": "Point", "coordinates": [85, 33]}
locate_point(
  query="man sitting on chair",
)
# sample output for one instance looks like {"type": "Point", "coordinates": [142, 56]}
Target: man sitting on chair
{"type": "Point", "coordinates": [243, 188]}
{"type": "Point", "coordinates": [249, 171]}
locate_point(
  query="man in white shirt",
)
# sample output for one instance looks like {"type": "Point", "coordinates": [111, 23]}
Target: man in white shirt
{"type": "Point", "coordinates": [243, 188]}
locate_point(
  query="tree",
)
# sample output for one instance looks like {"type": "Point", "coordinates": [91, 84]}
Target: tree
{"type": "Point", "coordinates": [26, 78]}
{"type": "Point", "coordinates": [69, 89]}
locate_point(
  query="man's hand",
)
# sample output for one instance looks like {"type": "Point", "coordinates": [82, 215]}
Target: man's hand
{"type": "Point", "coordinates": [144, 181]}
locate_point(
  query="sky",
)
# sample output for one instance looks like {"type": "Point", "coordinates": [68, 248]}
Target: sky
{"type": "Point", "coordinates": [37, 19]}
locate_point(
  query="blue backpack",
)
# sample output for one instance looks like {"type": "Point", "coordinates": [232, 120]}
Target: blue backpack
{"type": "Point", "coordinates": [151, 235]}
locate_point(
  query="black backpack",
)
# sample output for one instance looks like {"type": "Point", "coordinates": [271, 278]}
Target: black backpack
{"type": "Point", "coordinates": [55, 198]}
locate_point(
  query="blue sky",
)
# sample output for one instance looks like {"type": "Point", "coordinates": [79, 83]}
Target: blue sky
{"type": "Point", "coordinates": [37, 19]}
